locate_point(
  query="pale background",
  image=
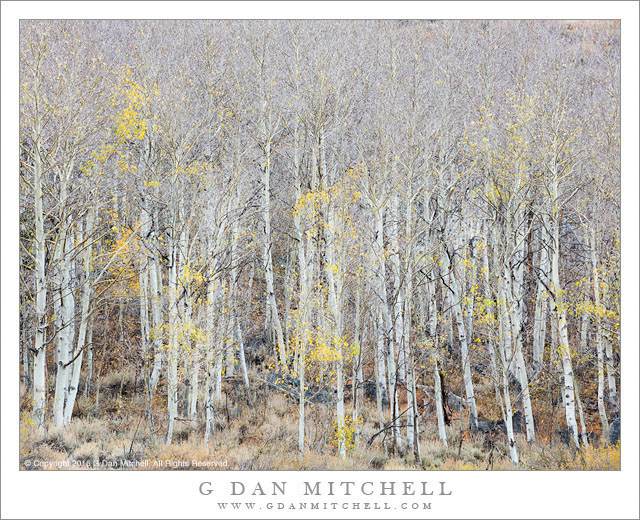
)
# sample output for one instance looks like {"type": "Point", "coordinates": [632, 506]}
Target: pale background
{"type": "Point", "coordinates": [127, 494]}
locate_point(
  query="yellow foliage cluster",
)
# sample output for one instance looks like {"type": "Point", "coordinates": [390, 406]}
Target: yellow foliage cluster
{"type": "Point", "coordinates": [124, 248]}
{"type": "Point", "coordinates": [327, 347]}
{"type": "Point", "coordinates": [98, 159]}
{"type": "Point", "coordinates": [190, 336]}
{"type": "Point", "coordinates": [339, 197]}
{"type": "Point", "coordinates": [596, 311]}
{"type": "Point", "coordinates": [191, 274]}
{"type": "Point", "coordinates": [130, 122]}
{"type": "Point", "coordinates": [485, 314]}
{"type": "Point", "coordinates": [346, 434]}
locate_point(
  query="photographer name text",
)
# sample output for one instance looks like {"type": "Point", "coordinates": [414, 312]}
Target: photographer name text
{"type": "Point", "coordinates": [327, 488]}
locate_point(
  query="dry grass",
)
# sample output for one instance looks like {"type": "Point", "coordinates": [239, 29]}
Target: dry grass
{"type": "Point", "coordinates": [260, 432]}
{"type": "Point", "coordinates": [602, 457]}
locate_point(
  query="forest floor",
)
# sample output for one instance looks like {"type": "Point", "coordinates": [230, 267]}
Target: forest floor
{"type": "Point", "coordinates": [258, 430]}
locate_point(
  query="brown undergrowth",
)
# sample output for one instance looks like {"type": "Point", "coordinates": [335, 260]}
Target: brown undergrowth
{"type": "Point", "coordinates": [258, 430]}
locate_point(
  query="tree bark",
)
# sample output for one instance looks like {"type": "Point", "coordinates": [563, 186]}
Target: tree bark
{"type": "Point", "coordinates": [560, 309]}
{"type": "Point", "coordinates": [604, 421]}
{"type": "Point", "coordinates": [455, 302]}
{"type": "Point", "coordinates": [273, 318]}
{"type": "Point", "coordinates": [64, 310]}
{"type": "Point", "coordinates": [156, 300]}
{"type": "Point", "coordinates": [40, 351]}
{"type": "Point", "coordinates": [541, 307]}
{"type": "Point", "coordinates": [84, 317]}
{"type": "Point", "coordinates": [172, 354]}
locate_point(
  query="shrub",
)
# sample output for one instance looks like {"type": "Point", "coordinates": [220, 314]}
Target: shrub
{"type": "Point", "coordinates": [88, 453]}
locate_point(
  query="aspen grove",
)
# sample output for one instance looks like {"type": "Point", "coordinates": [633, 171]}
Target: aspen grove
{"type": "Point", "coordinates": [400, 236]}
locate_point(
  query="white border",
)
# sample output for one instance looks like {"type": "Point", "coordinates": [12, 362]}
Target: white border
{"type": "Point", "coordinates": [174, 495]}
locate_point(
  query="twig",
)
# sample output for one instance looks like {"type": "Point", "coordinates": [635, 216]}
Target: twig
{"type": "Point", "coordinates": [134, 435]}
{"type": "Point", "coordinates": [387, 427]}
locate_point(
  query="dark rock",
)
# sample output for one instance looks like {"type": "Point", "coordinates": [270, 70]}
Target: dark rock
{"type": "Point", "coordinates": [256, 349]}
{"type": "Point", "coordinates": [564, 436]}
{"type": "Point", "coordinates": [319, 396]}
{"type": "Point", "coordinates": [479, 368]}
{"type": "Point", "coordinates": [518, 422]}
{"type": "Point", "coordinates": [290, 386]}
{"type": "Point", "coordinates": [455, 402]}
{"type": "Point", "coordinates": [614, 430]}
{"type": "Point", "coordinates": [487, 426]}
{"type": "Point", "coordinates": [593, 437]}
{"type": "Point", "coordinates": [514, 383]}
{"type": "Point", "coordinates": [370, 392]}
{"type": "Point", "coordinates": [284, 380]}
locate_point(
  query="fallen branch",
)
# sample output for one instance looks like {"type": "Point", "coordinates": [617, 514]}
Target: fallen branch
{"type": "Point", "coordinates": [273, 385]}
{"type": "Point", "coordinates": [450, 399]}
{"type": "Point", "coordinates": [386, 427]}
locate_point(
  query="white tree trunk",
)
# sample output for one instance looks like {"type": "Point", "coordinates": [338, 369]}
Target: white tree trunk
{"type": "Point", "coordinates": [230, 368]}
{"type": "Point", "coordinates": [143, 284]}
{"type": "Point", "coordinates": [155, 299]}
{"type": "Point", "coordinates": [415, 422]}
{"type": "Point", "coordinates": [380, 318]}
{"type": "Point", "coordinates": [273, 318]}
{"type": "Point", "coordinates": [84, 317]}
{"type": "Point", "coordinates": [194, 362]}
{"type": "Point", "coordinates": [506, 412]}
{"type": "Point", "coordinates": [301, 399]}
{"type": "Point", "coordinates": [289, 283]}
{"type": "Point", "coordinates": [604, 421]}
{"type": "Point", "coordinates": [488, 298]}
{"type": "Point", "coordinates": [433, 334]}
{"type": "Point", "coordinates": [172, 350]}
{"type": "Point", "coordinates": [40, 351]}
{"type": "Point", "coordinates": [611, 376]}
{"type": "Point", "coordinates": [397, 308]}
{"type": "Point", "coordinates": [380, 369]}
{"type": "Point", "coordinates": [610, 370]}
{"type": "Point", "coordinates": [504, 360]}
{"type": "Point", "coordinates": [357, 363]}
{"type": "Point", "coordinates": [470, 276]}
{"type": "Point", "coordinates": [584, 332]}
{"type": "Point", "coordinates": [145, 330]}
{"type": "Point", "coordinates": [560, 309]}
{"type": "Point", "coordinates": [542, 306]}
{"type": "Point", "coordinates": [513, 278]}
{"type": "Point", "coordinates": [583, 427]}
{"type": "Point", "coordinates": [89, 376]}
{"type": "Point", "coordinates": [388, 323]}
{"type": "Point", "coordinates": [407, 357]}
{"type": "Point", "coordinates": [303, 309]}
{"type": "Point", "coordinates": [65, 310]}
{"type": "Point", "coordinates": [219, 356]}
{"type": "Point", "coordinates": [340, 406]}
{"type": "Point", "coordinates": [211, 342]}
{"type": "Point", "coordinates": [236, 304]}
{"type": "Point", "coordinates": [241, 357]}
{"type": "Point", "coordinates": [209, 424]}
{"type": "Point", "coordinates": [334, 276]}
{"type": "Point", "coordinates": [442, 427]}
{"type": "Point", "coordinates": [454, 298]}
